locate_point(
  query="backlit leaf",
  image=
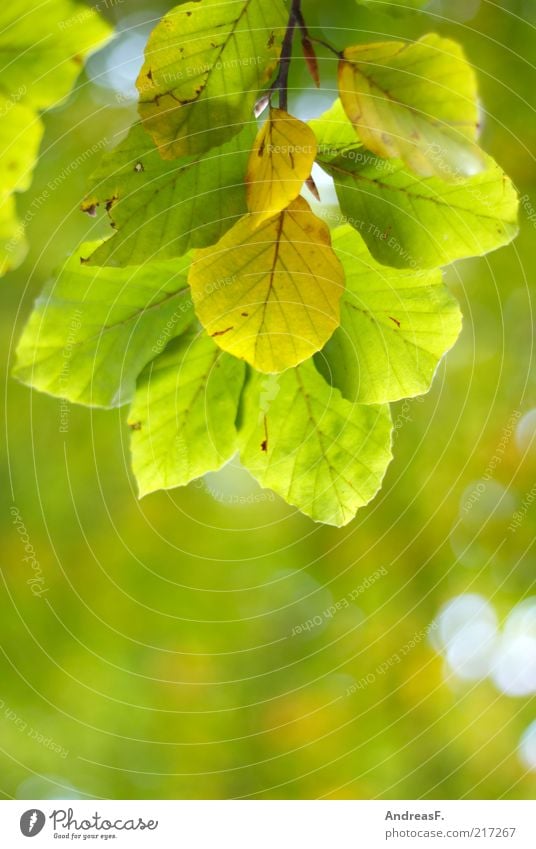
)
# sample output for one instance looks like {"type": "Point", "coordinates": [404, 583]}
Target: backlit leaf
{"type": "Point", "coordinates": [412, 222]}
{"type": "Point", "coordinates": [395, 327]}
{"type": "Point", "coordinates": [205, 65]}
{"type": "Point", "coordinates": [321, 453]}
{"type": "Point", "coordinates": [94, 329]}
{"type": "Point", "coordinates": [269, 293]}
{"type": "Point", "coordinates": [184, 413]}
{"type": "Point", "coordinates": [161, 209]}
{"type": "Point", "coordinates": [416, 102]}
{"type": "Point", "coordinates": [280, 162]}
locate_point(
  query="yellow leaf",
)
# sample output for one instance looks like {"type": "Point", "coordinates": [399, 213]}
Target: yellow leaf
{"type": "Point", "coordinates": [280, 162]}
{"type": "Point", "coordinates": [269, 293]}
{"type": "Point", "coordinates": [416, 102]}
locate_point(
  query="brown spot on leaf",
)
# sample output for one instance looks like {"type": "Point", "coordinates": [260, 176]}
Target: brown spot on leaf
{"type": "Point", "coordinates": [396, 321]}
{"type": "Point", "coordinates": [135, 425]}
{"type": "Point", "coordinates": [222, 332]}
{"type": "Point", "coordinates": [264, 443]}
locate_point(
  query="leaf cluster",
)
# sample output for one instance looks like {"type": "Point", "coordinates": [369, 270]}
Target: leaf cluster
{"type": "Point", "coordinates": [224, 309]}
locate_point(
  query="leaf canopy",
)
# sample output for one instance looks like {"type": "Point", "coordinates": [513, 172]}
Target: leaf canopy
{"type": "Point", "coordinates": [395, 327]}
{"type": "Point", "coordinates": [92, 331]}
{"type": "Point", "coordinates": [321, 453]}
{"type": "Point", "coordinates": [205, 65]}
{"type": "Point", "coordinates": [183, 418]}
{"type": "Point", "coordinates": [269, 293]}
{"type": "Point", "coordinates": [162, 209]}
{"type": "Point", "coordinates": [416, 102]}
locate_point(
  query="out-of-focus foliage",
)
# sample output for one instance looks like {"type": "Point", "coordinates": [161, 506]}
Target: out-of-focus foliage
{"type": "Point", "coordinates": [168, 656]}
{"type": "Point", "coordinates": [37, 72]}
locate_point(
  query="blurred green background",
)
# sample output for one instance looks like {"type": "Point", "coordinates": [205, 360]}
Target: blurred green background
{"type": "Point", "coordinates": [164, 657]}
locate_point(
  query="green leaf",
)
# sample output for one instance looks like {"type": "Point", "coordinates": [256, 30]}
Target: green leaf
{"type": "Point", "coordinates": [411, 222]}
{"type": "Point", "coordinates": [205, 65]}
{"type": "Point", "coordinates": [21, 131]}
{"type": "Point", "coordinates": [269, 293]}
{"type": "Point", "coordinates": [42, 47]}
{"type": "Point", "coordinates": [321, 453]}
{"type": "Point", "coordinates": [38, 69]}
{"type": "Point", "coordinates": [416, 102]}
{"type": "Point", "coordinates": [395, 327]}
{"type": "Point", "coordinates": [92, 331]}
{"type": "Point", "coordinates": [162, 209]}
{"type": "Point", "coordinates": [13, 245]}
{"type": "Point", "coordinates": [184, 414]}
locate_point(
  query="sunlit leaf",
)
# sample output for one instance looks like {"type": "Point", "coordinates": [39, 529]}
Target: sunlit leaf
{"type": "Point", "coordinates": [270, 293]}
{"type": "Point", "coordinates": [205, 66]}
{"type": "Point", "coordinates": [161, 209]}
{"type": "Point", "coordinates": [416, 102]}
{"type": "Point", "coordinates": [184, 413]}
{"type": "Point", "coordinates": [94, 329]}
{"type": "Point", "coordinates": [395, 327]}
{"type": "Point", "coordinates": [280, 162]}
{"type": "Point", "coordinates": [412, 222]}
{"type": "Point", "coordinates": [321, 453]}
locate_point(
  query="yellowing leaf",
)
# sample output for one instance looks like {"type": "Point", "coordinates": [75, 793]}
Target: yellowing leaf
{"type": "Point", "coordinates": [205, 65]}
{"type": "Point", "coordinates": [270, 293]}
{"type": "Point", "coordinates": [280, 162]}
{"type": "Point", "coordinates": [416, 102]}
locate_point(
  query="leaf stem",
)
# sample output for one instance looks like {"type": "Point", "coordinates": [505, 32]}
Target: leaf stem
{"type": "Point", "coordinates": [281, 82]}
{"type": "Point", "coordinates": [296, 20]}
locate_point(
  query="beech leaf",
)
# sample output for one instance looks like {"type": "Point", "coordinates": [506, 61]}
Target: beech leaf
{"type": "Point", "coordinates": [416, 102]}
{"type": "Point", "coordinates": [183, 415]}
{"type": "Point", "coordinates": [269, 293]}
{"type": "Point", "coordinates": [93, 330]}
{"type": "Point", "coordinates": [205, 66]}
{"type": "Point", "coordinates": [322, 454]}
{"type": "Point", "coordinates": [395, 327]}
{"type": "Point", "coordinates": [280, 162]}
